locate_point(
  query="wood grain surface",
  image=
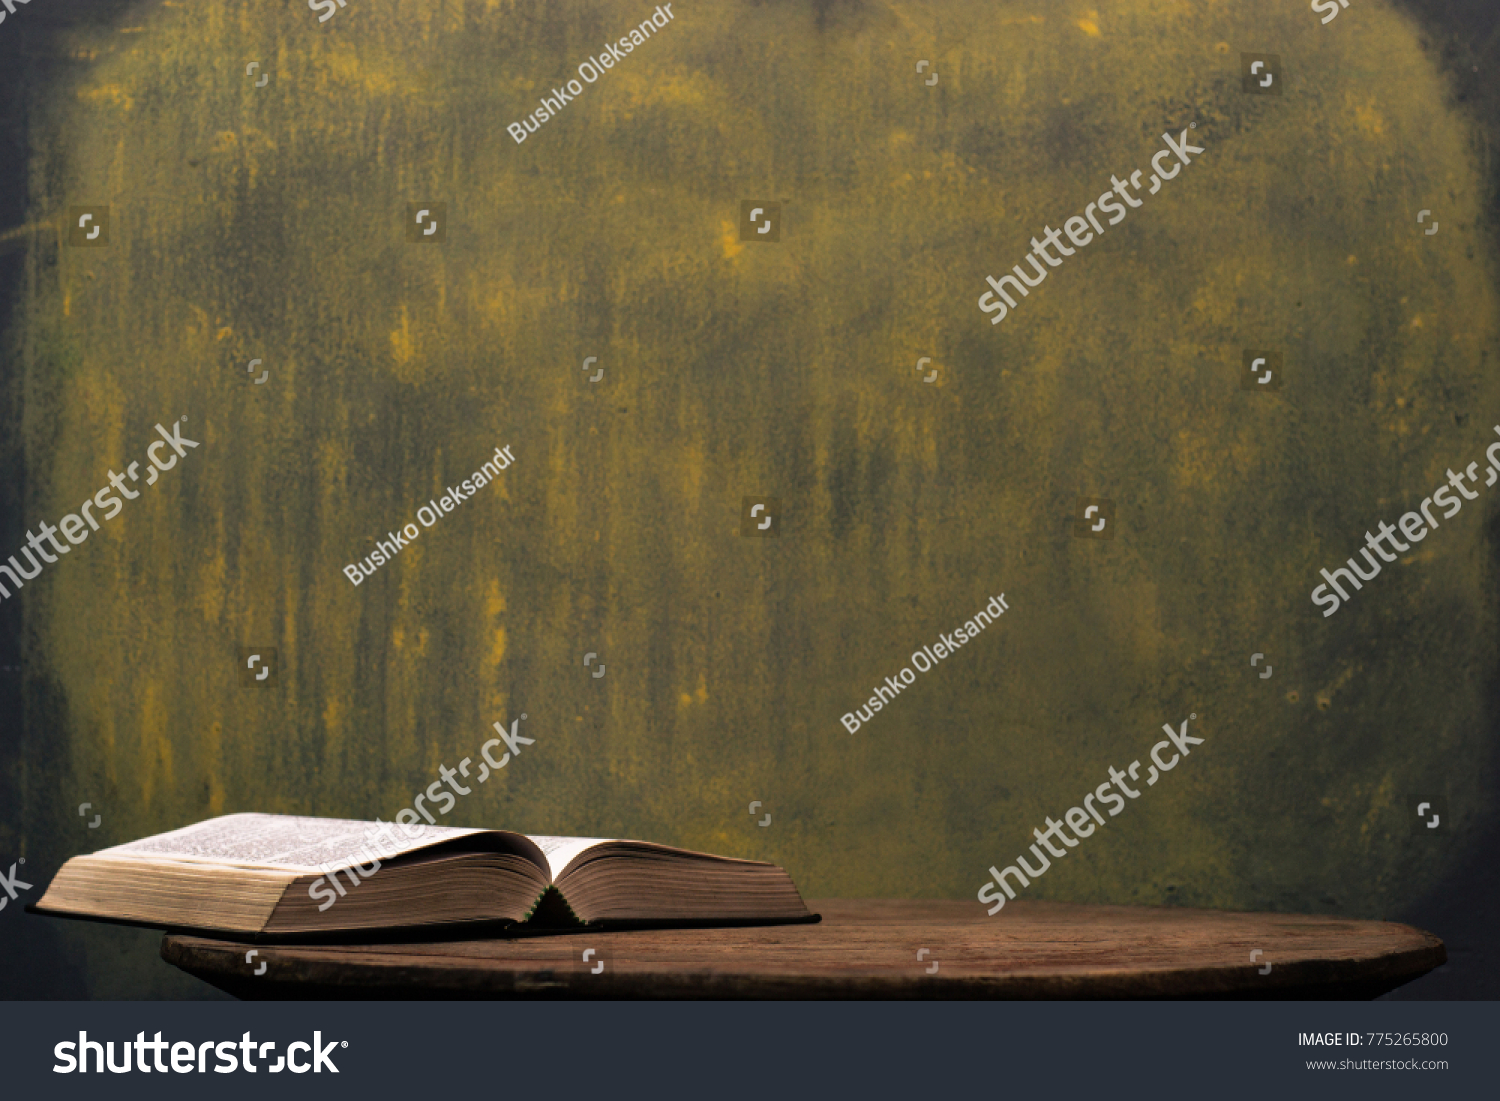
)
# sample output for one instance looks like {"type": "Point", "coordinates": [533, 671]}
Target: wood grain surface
{"type": "Point", "coordinates": [864, 949]}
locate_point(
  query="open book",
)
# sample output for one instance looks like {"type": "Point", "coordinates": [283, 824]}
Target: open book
{"type": "Point", "coordinates": [273, 875]}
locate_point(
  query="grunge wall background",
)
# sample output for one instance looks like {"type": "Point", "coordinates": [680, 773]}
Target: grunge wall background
{"type": "Point", "coordinates": [268, 223]}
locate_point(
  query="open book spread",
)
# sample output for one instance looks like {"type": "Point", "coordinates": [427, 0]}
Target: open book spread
{"type": "Point", "coordinates": [281, 874]}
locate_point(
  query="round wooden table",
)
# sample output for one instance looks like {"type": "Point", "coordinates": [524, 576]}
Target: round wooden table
{"type": "Point", "coordinates": [862, 949]}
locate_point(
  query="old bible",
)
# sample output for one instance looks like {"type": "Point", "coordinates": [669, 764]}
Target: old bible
{"type": "Point", "coordinates": [270, 876]}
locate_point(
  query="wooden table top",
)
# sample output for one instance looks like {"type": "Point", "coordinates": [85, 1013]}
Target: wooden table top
{"type": "Point", "coordinates": [863, 949]}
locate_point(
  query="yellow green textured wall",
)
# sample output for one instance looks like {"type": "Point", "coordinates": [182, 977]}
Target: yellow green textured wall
{"type": "Point", "coordinates": [267, 223]}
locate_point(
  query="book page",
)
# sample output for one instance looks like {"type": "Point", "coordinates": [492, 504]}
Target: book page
{"type": "Point", "coordinates": [559, 851]}
{"type": "Point", "coordinates": [286, 841]}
